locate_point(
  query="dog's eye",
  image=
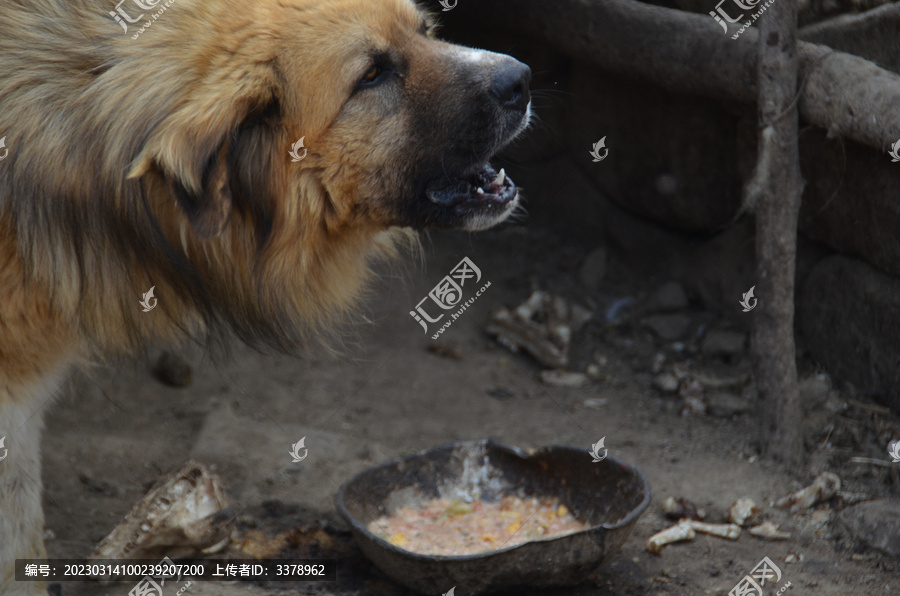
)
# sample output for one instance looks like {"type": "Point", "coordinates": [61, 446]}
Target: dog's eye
{"type": "Point", "coordinates": [375, 75]}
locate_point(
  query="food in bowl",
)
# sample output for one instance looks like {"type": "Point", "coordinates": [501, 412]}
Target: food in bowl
{"type": "Point", "coordinates": [447, 527]}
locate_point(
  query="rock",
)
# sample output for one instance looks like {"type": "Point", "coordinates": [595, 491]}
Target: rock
{"type": "Point", "coordinates": [875, 524]}
{"type": "Point", "coordinates": [726, 405]}
{"type": "Point", "coordinates": [669, 297]}
{"type": "Point", "coordinates": [847, 204]}
{"type": "Point", "coordinates": [718, 271]}
{"type": "Point", "coordinates": [668, 327]}
{"type": "Point", "coordinates": [691, 388]}
{"type": "Point", "coordinates": [667, 184]}
{"type": "Point", "coordinates": [692, 406]}
{"type": "Point", "coordinates": [666, 382]}
{"type": "Point", "coordinates": [172, 370]}
{"type": "Point", "coordinates": [563, 378]}
{"type": "Point", "coordinates": [724, 343]}
{"type": "Point", "coordinates": [593, 269]}
{"type": "Point", "coordinates": [596, 403]}
{"type": "Point", "coordinates": [849, 315]}
{"type": "Point", "coordinates": [640, 155]}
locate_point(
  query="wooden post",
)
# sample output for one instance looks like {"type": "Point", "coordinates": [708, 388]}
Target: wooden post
{"type": "Point", "coordinates": [775, 194]}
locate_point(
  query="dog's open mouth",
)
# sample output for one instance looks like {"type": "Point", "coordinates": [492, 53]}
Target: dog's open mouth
{"type": "Point", "coordinates": [485, 188]}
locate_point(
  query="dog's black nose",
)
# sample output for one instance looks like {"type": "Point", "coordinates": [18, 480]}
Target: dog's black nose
{"type": "Point", "coordinates": [511, 82]}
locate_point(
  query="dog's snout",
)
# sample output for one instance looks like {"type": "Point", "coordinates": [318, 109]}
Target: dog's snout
{"type": "Point", "coordinates": [511, 85]}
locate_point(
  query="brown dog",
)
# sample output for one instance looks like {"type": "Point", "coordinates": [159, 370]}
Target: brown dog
{"type": "Point", "coordinates": [156, 143]}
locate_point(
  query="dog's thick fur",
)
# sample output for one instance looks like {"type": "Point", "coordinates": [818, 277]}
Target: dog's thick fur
{"type": "Point", "coordinates": [162, 160]}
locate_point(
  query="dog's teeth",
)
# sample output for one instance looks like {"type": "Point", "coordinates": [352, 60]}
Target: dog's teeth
{"type": "Point", "coordinates": [501, 177]}
{"type": "Point", "coordinates": [480, 190]}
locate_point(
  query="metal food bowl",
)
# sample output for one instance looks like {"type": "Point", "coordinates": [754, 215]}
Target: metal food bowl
{"type": "Point", "coordinates": [608, 495]}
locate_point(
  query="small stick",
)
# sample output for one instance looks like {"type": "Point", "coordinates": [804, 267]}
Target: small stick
{"type": "Point", "coordinates": [871, 461]}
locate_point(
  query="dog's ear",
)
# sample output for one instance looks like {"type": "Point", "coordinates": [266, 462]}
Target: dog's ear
{"type": "Point", "coordinates": [209, 208]}
{"type": "Point", "coordinates": [190, 149]}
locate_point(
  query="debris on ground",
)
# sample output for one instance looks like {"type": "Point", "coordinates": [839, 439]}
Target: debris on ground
{"type": "Point", "coordinates": [666, 382]}
{"type": "Point", "coordinates": [500, 393]}
{"type": "Point", "coordinates": [679, 378]}
{"type": "Point", "coordinates": [769, 531]}
{"type": "Point", "coordinates": [721, 343]}
{"type": "Point", "coordinates": [669, 297]}
{"type": "Point", "coordinates": [794, 558]}
{"type": "Point", "coordinates": [596, 403]}
{"type": "Point", "coordinates": [679, 508]}
{"type": "Point", "coordinates": [310, 540]}
{"type": "Point", "coordinates": [563, 378]}
{"type": "Point", "coordinates": [617, 307]}
{"type": "Point", "coordinates": [729, 531]}
{"type": "Point", "coordinates": [184, 515]}
{"type": "Point", "coordinates": [726, 405]}
{"type": "Point", "coordinates": [687, 529]}
{"type": "Point", "coordinates": [254, 544]}
{"type": "Point", "coordinates": [744, 512]}
{"type": "Point", "coordinates": [542, 327]}
{"type": "Point", "coordinates": [676, 533]}
{"type": "Point", "coordinates": [445, 351]}
{"type": "Point", "coordinates": [668, 326]}
{"type": "Point", "coordinates": [823, 488]}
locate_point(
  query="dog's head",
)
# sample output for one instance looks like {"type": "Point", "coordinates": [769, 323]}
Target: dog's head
{"type": "Point", "coordinates": [397, 126]}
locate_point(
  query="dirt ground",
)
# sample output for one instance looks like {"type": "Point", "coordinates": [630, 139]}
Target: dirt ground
{"type": "Point", "coordinates": [111, 434]}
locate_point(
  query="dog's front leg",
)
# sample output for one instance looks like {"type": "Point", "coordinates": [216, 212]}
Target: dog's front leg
{"type": "Point", "coordinates": [22, 409]}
